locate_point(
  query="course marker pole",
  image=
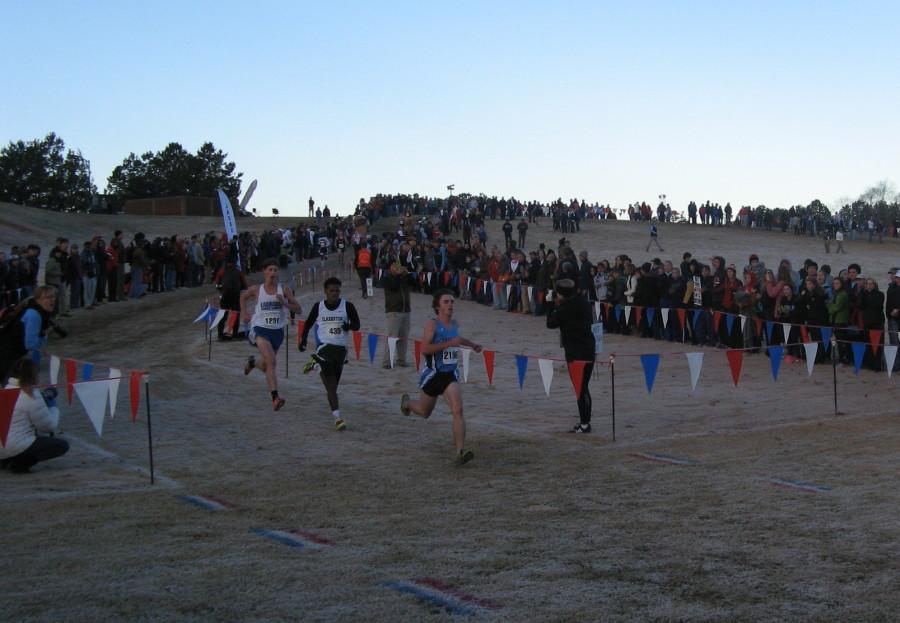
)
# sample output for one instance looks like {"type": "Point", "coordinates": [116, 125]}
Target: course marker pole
{"type": "Point", "coordinates": [834, 371]}
{"type": "Point", "coordinates": [612, 378]}
{"type": "Point", "coordinates": [149, 428]}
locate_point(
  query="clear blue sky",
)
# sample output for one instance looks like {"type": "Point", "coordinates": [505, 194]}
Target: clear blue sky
{"type": "Point", "coordinates": [769, 102]}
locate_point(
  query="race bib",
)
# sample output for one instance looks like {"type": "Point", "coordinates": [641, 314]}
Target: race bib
{"type": "Point", "coordinates": [450, 356]}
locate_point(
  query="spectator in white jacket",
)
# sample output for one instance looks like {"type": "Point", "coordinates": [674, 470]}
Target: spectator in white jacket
{"type": "Point", "coordinates": [35, 412]}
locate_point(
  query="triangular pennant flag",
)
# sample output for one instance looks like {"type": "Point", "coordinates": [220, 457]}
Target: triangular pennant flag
{"type": "Point", "coordinates": [664, 313]}
{"type": "Point", "coordinates": [392, 349]}
{"type": "Point", "coordinates": [134, 387]}
{"type": "Point", "coordinates": [531, 295]}
{"type": "Point", "coordinates": [417, 352]}
{"type": "Point", "coordinates": [875, 340]}
{"type": "Point", "coordinates": [546, 368]}
{"type": "Point", "coordinates": [859, 350]}
{"type": "Point", "coordinates": [890, 355]}
{"type": "Point", "coordinates": [598, 311]}
{"type": "Point", "coordinates": [36, 358]}
{"type": "Point", "coordinates": [521, 368]}
{"type": "Point", "coordinates": [576, 374]}
{"type": "Point", "coordinates": [775, 355]}
{"type": "Point", "coordinates": [618, 311]}
{"type": "Point", "coordinates": [70, 377]}
{"type": "Point", "coordinates": [650, 364]}
{"type": "Point", "coordinates": [508, 290]}
{"type": "Point", "coordinates": [743, 324]}
{"type": "Point", "coordinates": [651, 315]}
{"type": "Point", "coordinates": [735, 361]}
{"type": "Point", "coordinates": [301, 324]}
{"type": "Point", "coordinates": [429, 278]}
{"type": "Point", "coordinates": [114, 379]}
{"type": "Point", "coordinates": [357, 343]}
{"type": "Point", "coordinates": [769, 326]}
{"type": "Point", "coordinates": [717, 320]}
{"type": "Point", "coordinates": [627, 314]}
{"type": "Point", "coordinates": [804, 333]}
{"type": "Point", "coordinates": [8, 398]}
{"type": "Point", "coordinates": [811, 349]}
{"type": "Point", "coordinates": [93, 396]}
{"type": "Point", "coordinates": [485, 287]}
{"type": "Point", "coordinates": [87, 371]}
{"type": "Point", "coordinates": [786, 329]}
{"type": "Point", "coordinates": [373, 346]}
{"type": "Point", "coordinates": [638, 311]}
{"type": "Point", "coordinates": [466, 353]}
{"type": "Point", "coordinates": [680, 313]}
{"type": "Point", "coordinates": [204, 315]}
{"type": "Point", "coordinates": [54, 370]}
{"type": "Point", "coordinates": [463, 281]}
{"type": "Point", "coordinates": [489, 365]}
{"type": "Point", "coordinates": [697, 315]}
{"type": "Point", "coordinates": [826, 337]}
{"type": "Point", "coordinates": [758, 322]}
{"type": "Point", "coordinates": [729, 323]}
{"type": "Point", "coordinates": [695, 363]}
{"type": "Point", "coordinates": [447, 276]}
{"type": "Point", "coordinates": [217, 319]}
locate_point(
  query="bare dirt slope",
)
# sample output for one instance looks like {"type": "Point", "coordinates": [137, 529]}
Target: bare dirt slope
{"type": "Point", "coordinates": [546, 525]}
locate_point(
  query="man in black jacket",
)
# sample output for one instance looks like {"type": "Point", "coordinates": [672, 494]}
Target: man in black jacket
{"type": "Point", "coordinates": [572, 316]}
{"type": "Point", "coordinates": [396, 285]}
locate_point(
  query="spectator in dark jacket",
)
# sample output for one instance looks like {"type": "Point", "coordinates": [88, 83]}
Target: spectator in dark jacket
{"type": "Point", "coordinates": [396, 285]}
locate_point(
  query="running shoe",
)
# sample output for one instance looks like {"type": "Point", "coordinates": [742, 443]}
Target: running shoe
{"type": "Point", "coordinates": [581, 428]}
{"type": "Point", "coordinates": [277, 403]}
{"type": "Point", "coordinates": [251, 363]}
{"type": "Point", "coordinates": [339, 425]}
{"type": "Point", "coordinates": [464, 456]}
{"type": "Point", "coordinates": [404, 404]}
{"type": "Point", "coordinates": [309, 366]}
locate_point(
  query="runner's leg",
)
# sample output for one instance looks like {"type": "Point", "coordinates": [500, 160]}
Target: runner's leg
{"type": "Point", "coordinates": [424, 405]}
{"type": "Point", "coordinates": [454, 398]}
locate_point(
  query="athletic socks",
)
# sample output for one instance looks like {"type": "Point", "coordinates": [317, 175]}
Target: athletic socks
{"type": "Point", "coordinates": [337, 414]}
{"type": "Point", "coordinates": [275, 395]}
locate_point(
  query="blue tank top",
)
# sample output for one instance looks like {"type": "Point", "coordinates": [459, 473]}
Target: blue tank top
{"type": "Point", "coordinates": [447, 359]}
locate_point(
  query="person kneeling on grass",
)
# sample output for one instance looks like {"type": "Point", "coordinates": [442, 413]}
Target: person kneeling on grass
{"type": "Point", "coordinates": [333, 317]}
{"type": "Point", "coordinates": [35, 412]}
{"type": "Point", "coordinates": [440, 345]}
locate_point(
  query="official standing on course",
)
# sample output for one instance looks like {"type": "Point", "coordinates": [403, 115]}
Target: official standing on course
{"type": "Point", "coordinates": [572, 316]}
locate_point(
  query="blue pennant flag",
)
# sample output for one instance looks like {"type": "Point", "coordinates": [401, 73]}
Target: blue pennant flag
{"type": "Point", "coordinates": [618, 309]}
{"type": "Point", "coordinates": [521, 366]}
{"type": "Point", "coordinates": [36, 358]}
{"type": "Point", "coordinates": [769, 326]}
{"type": "Point", "coordinates": [775, 355]}
{"type": "Point", "coordinates": [729, 322]}
{"type": "Point", "coordinates": [697, 314]}
{"type": "Point", "coordinates": [859, 349]}
{"type": "Point", "coordinates": [650, 364]}
{"type": "Point", "coordinates": [373, 345]}
{"type": "Point", "coordinates": [651, 314]}
{"type": "Point", "coordinates": [87, 372]}
{"type": "Point", "coordinates": [826, 338]}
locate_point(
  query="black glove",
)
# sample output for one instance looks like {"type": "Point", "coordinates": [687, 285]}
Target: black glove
{"type": "Point", "coordinates": [302, 346]}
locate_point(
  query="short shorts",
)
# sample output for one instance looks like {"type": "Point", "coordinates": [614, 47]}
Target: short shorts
{"type": "Point", "coordinates": [331, 359]}
{"type": "Point", "coordinates": [274, 336]}
{"type": "Point", "coordinates": [435, 383]}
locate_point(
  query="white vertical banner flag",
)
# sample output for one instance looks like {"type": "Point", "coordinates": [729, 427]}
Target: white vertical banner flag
{"type": "Point", "coordinates": [811, 350]}
{"type": "Point", "coordinates": [93, 396]}
{"type": "Point", "coordinates": [392, 348]}
{"type": "Point", "coordinates": [466, 352]}
{"type": "Point", "coordinates": [113, 390]}
{"type": "Point", "coordinates": [54, 369]}
{"type": "Point", "coordinates": [546, 368]}
{"type": "Point", "coordinates": [627, 314]}
{"type": "Point", "coordinates": [230, 223]}
{"type": "Point", "coordinates": [695, 363]}
{"type": "Point", "coordinates": [219, 315]}
{"type": "Point", "coordinates": [890, 355]}
{"type": "Point", "coordinates": [665, 316]}
{"type": "Point", "coordinates": [786, 327]}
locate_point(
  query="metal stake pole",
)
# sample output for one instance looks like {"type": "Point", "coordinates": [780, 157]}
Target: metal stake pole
{"type": "Point", "coordinates": [149, 430]}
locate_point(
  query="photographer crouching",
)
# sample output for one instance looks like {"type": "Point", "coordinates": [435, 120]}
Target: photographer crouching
{"type": "Point", "coordinates": [572, 315]}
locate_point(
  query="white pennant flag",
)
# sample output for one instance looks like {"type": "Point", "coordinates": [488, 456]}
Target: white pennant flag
{"type": "Point", "coordinates": [484, 285]}
{"type": "Point", "coordinates": [93, 396]}
{"type": "Point", "coordinates": [743, 324]}
{"type": "Point", "coordinates": [546, 368]}
{"type": "Point", "coordinates": [786, 327]}
{"type": "Point", "coordinates": [508, 290]}
{"type": "Point", "coordinates": [530, 292]}
{"type": "Point", "coordinates": [597, 311]}
{"type": "Point", "coordinates": [428, 276]}
{"type": "Point", "coordinates": [392, 348]}
{"type": "Point", "coordinates": [627, 314]}
{"type": "Point", "coordinates": [219, 315]}
{"type": "Point", "coordinates": [466, 352]}
{"type": "Point", "coordinates": [695, 362]}
{"type": "Point", "coordinates": [890, 355]}
{"type": "Point", "coordinates": [202, 314]}
{"type": "Point", "coordinates": [114, 379]}
{"type": "Point", "coordinates": [54, 369]}
{"type": "Point", "coordinates": [811, 350]}
{"type": "Point", "coordinates": [549, 295]}
{"type": "Point", "coordinates": [665, 316]}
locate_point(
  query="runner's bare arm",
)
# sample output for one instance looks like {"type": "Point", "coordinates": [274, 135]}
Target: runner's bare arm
{"type": "Point", "coordinates": [289, 301]}
{"type": "Point", "coordinates": [470, 344]}
{"type": "Point", "coordinates": [249, 293]}
{"type": "Point", "coordinates": [428, 348]}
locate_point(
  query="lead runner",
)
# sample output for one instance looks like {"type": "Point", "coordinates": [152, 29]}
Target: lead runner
{"type": "Point", "coordinates": [440, 345]}
{"type": "Point", "coordinates": [266, 330]}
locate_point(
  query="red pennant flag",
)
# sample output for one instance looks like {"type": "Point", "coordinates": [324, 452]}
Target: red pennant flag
{"type": "Point", "coordinates": [357, 343]}
{"type": "Point", "coordinates": [301, 324]}
{"type": "Point", "coordinates": [421, 279]}
{"type": "Point", "coordinates": [234, 319]}
{"type": "Point", "coordinates": [479, 285]}
{"type": "Point", "coordinates": [417, 349]}
{"type": "Point", "coordinates": [758, 322]}
{"type": "Point", "coordinates": [134, 385]}
{"type": "Point", "coordinates": [70, 378]}
{"type": "Point", "coordinates": [717, 320]}
{"type": "Point", "coordinates": [540, 297]}
{"type": "Point", "coordinates": [875, 340]}
{"type": "Point", "coordinates": [463, 282]}
{"type": "Point", "coordinates": [8, 398]}
{"type": "Point", "coordinates": [680, 312]}
{"type": "Point", "coordinates": [489, 365]}
{"type": "Point", "coordinates": [446, 277]}
{"type": "Point", "coordinates": [804, 333]}
{"type": "Point", "coordinates": [736, 361]}
{"type": "Point", "coordinates": [637, 318]}
{"type": "Point", "coordinates": [576, 374]}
